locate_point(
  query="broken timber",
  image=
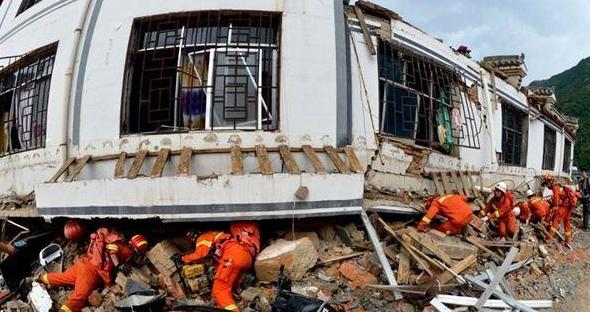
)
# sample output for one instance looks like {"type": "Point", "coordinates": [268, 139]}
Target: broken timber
{"type": "Point", "coordinates": [338, 162]}
{"type": "Point", "coordinates": [120, 166]}
{"type": "Point", "coordinates": [184, 165]}
{"type": "Point", "coordinates": [365, 29]}
{"type": "Point", "coordinates": [79, 165]}
{"type": "Point", "coordinates": [158, 167]}
{"type": "Point", "coordinates": [137, 163]}
{"type": "Point", "coordinates": [288, 159]}
{"type": "Point", "coordinates": [237, 164]}
{"type": "Point", "coordinates": [313, 159]}
{"type": "Point", "coordinates": [353, 161]}
{"type": "Point", "coordinates": [61, 170]}
{"type": "Point", "coordinates": [263, 161]}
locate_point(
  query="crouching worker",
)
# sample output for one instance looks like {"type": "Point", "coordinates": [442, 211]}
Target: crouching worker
{"type": "Point", "coordinates": [452, 207]}
{"type": "Point", "coordinates": [106, 252]}
{"type": "Point", "coordinates": [534, 210]}
{"type": "Point", "coordinates": [233, 254]}
{"type": "Point", "coordinates": [500, 207]}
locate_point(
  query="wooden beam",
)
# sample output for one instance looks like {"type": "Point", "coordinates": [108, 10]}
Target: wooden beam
{"type": "Point", "coordinates": [470, 178]}
{"type": "Point", "coordinates": [457, 182]}
{"type": "Point", "coordinates": [366, 33]}
{"type": "Point", "coordinates": [184, 164]}
{"type": "Point", "coordinates": [496, 280]}
{"type": "Point", "coordinates": [431, 246]}
{"type": "Point", "coordinates": [446, 183]}
{"type": "Point", "coordinates": [136, 165]}
{"type": "Point", "coordinates": [64, 167]}
{"type": "Point", "coordinates": [379, 250]}
{"type": "Point", "coordinates": [263, 162]}
{"type": "Point", "coordinates": [120, 166]}
{"type": "Point", "coordinates": [464, 181]}
{"type": "Point", "coordinates": [160, 163]}
{"type": "Point", "coordinates": [290, 162]}
{"type": "Point", "coordinates": [345, 257]}
{"type": "Point", "coordinates": [440, 189]}
{"type": "Point", "coordinates": [474, 241]}
{"type": "Point", "coordinates": [459, 267]}
{"type": "Point", "coordinates": [237, 163]}
{"type": "Point", "coordinates": [403, 268]}
{"type": "Point", "coordinates": [353, 161]}
{"type": "Point", "coordinates": [313, 158]}
{"type": "Point", "coordinates": [79, 165]}
{"type": "Point", "coordinates": [336, 160]}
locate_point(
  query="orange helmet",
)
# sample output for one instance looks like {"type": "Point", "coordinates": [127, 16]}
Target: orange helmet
{"type": "Point", "coordinates": [139, 243]}
{"type": "Point", "coordinates": [548, 177]}
{"type": "Point", "coordinates": [74, 230]}
{"type": "Point", "coordinates": [246, 232]}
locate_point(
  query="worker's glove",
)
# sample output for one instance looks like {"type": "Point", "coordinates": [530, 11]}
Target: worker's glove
{"type": "Point", "coordinates": [20, 244]}
{"type": "Point", "coordinates": [177, 258]}
{"type": "Point", "coordinates": [485, 219]}
{"type": "Point", "coordinates": [125, 269]}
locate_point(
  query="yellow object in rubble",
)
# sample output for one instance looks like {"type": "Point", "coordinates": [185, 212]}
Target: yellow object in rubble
{"type": "Point", "coordinates": [193, 270]}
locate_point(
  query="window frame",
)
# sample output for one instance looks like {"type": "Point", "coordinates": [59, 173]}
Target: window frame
{"type": "Point", "coordinates": [510, 130]}
{"type": "Point", "coordinates": [567, 155]}
{"type": "Point", "coordinates": [264, 115]}
{"type": "Point", "coordinates": [547, 149]}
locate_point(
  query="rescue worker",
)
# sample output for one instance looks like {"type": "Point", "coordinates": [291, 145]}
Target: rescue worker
{"type": "Point", "coordinates": [233, 252]}
{"type": "Point", "coordinates": [534, 210]}
{"type": "Point", "coordinates": [500, 207]}
{"type": "Point", "coordinates": [453, 207]}
{"type": "Point", "coordinates": [106, 251]}
{"type": "Point", "coordinates": [584, 187]}
{"type": "Point", "coordinates": [567, 203]}
{"type": "Point", "coordinates": [557, 193]}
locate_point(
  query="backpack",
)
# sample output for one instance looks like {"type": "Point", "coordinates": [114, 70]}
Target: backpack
{"type": "Point", "coordinates": [97, 252]}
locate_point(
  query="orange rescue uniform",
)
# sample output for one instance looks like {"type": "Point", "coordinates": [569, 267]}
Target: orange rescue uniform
{"type": "Point", "coordinates": [85, 277]}
{"type": "Point", "coordinates": [535, 208]}
{"type": "Point", "coordinates": [454, 208]}
{"type": "Point", "coordinates": [501, 209]}
{"type": "Point", "coordinates": [567, 203]}
{"type": "Point", "coordinates": [234, 254]}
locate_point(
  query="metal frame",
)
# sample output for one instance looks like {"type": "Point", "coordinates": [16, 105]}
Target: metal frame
{"type": "Point", "coordinates": [214, 33]}
{"type": "Point", "coordinates": [513, 125]}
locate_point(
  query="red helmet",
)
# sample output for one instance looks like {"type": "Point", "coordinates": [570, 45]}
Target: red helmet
{"type": "Point", "coordinates": [139, 243]}
{"type": "Point", "coordinates": [74, 230]}
{"type": "Point", "coordinates": [246, 232]}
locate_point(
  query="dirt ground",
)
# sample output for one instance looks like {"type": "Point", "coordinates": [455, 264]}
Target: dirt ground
{"type": "Point", "coordinates": [575, 273]}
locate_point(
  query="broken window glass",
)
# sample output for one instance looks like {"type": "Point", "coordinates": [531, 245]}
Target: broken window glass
{"type": "Point", "coordinates": [203, 71]}
{"type": "Point", "coordinates": [549, 145]}
{"type": "Point", "coordinates": [421, 101]}
{"type": "Point", "coordinates": [514, 127]}
{"type": "Point", "coordinates": [24, 96]}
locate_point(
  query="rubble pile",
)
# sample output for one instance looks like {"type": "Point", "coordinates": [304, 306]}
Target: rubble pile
{"type": "Point", "coordinates": [338, 263]}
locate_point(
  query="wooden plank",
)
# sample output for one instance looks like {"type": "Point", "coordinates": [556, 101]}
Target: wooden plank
{"type": "Point", "coordinates": [446, 183]}
{"type": "Point", "coordinates": [184, 164]}
{"type": "Point", "coordinates": [496, 280]}
{"type": "Point", "coordinates": [120, 166]}
{"type": "Point", "coordinates": [407, 239]}
{"type": "Point", "coordinates": [290, 162]}
{"type": "Point", "coordinates": [263, 162]}
{"type": "Point", "coordinates": [437, 184]}
{"type": "Point", "coordinates": [136, 165]}
{"type": "Point", "coordinates": [465, 183]}
{"type": "Point", "coordinates": [340, 258]}
{"type": "Point", "coordinates": [472, 183]}
{"type": "Point", "coordinates": [336, 160]}
{"type": "Point", "coordinates": [459, 267]}
{"type": "Point", "coordinates": [366, 33]}
{"type": "Point", "coordinates": [403, 268]}
{"type": "Point", "coordinates": [374, 237]}
{"type": "Point", "coordinates": [64, 167]}
{"type": "Point", "coordinates": [353, 161]}
{"type": "Point", "coordinates": [79, 165]}
{"type": "Point", "coordinates": [457, 183]}
{"type": "Point", "coordinates": [430, 245]}
{"type": "Point", "coordinates": [486, 250]}
{"type": "Point", "coordinates": [237, 163]}
{"type": "Point", "coordinates": [313, 158]}
{"type": "Point", "coordinates": [160, 163]}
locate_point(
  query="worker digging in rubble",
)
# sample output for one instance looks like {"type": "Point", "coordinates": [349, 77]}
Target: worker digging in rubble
{"type": "Point", "coordinates": [233, 253]}
{"type": "Point", "coordinates": [500, 207]}
{"type": "Point", "coordinates": [534, 210]}
{"type": "Point", "coordinates": [565, 201]}
{"type": "Point", "coordinates": [453, 207]}
{"type": "Point", "coordinates": [107, 251]}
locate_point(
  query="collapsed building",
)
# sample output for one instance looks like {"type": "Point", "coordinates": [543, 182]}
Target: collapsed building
{"type": "Point", "coordinates": [225, 110]}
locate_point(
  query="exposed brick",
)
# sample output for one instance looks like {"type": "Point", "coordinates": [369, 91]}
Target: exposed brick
{"type": "Point", "coordinates": [358, 276]}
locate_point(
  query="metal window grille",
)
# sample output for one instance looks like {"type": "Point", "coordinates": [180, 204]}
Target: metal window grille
{"type": "Point", "coordinates": [422, 101]}
{"type": "Point", "coordinates": [25, 5]}
{"type": "Point", "coordinates": [567, 155]}
{"type": "Point", "coordinates": [24, 97]}
{"type": "Point", "coordinates": [203, 71]}
{"type": "Point", "coordinates": [549, 149]}
{"type": "Point", "coordinates": [513, 136]}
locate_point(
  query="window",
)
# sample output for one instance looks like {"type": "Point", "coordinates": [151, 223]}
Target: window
{"type": "Point", "coordinates": [514, 136]}
{"type": "Point", "coordinates": [567, 155]}
{"type": "Point", "coordinates": [203, 71]}
{"type": "Point", "coordinates": [25, 5]}
{"type": "Point", "coordinates": [422, 102]}
{"type": "Point", "coordinates": [549, 149]}
{"type": "Point", "coordinates": [24, 95]}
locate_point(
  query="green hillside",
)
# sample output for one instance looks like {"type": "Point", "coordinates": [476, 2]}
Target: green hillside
{"type": "Point", "coordinates": [572, 88]}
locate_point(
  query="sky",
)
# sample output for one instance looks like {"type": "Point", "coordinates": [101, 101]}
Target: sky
{"type": "Point", "coordinates": [554, 35]}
